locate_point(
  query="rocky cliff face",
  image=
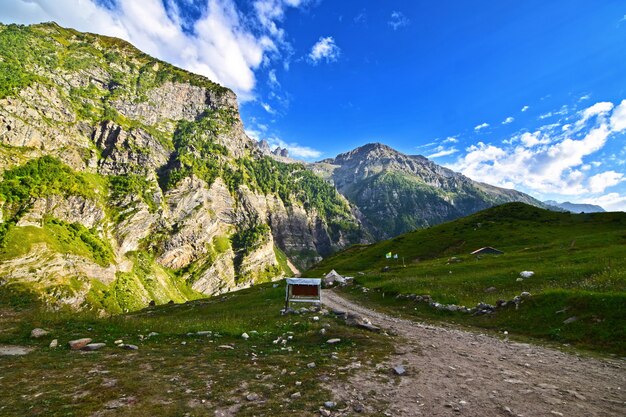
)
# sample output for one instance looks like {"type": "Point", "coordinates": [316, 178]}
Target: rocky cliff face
{"type": "Point", "coordinates": [126, 180]}
{"type": "Point", "coordinates": [397, 193]}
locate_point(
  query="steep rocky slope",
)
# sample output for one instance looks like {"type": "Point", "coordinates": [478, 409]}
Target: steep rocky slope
{"type": "Point", "coordinates": [127, 180]}
{"type": "Point", "coordinates": [397, 193]}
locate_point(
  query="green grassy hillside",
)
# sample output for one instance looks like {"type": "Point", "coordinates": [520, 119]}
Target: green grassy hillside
{"type": "Point", "coordinates": [577, 259]}
{"type": "Point", "coordinates": [175, 370]}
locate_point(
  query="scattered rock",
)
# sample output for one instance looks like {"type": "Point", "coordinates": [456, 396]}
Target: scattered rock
{"type": "Point", "coordinates": [570, 320]}
{"type": "Point", "coordinates": [577, 395]}
{"type": "Point", "coordinates": [491, 289]}
{"type": "Point", "coordinates": [324, 412]}
{"type": "Point", "coordinates": [37, 333]}
{"type": "Point", "coordinates": [252, 397]}
{"type": "Point", "coordinates": [204, 333]}
{"type": "Point", "coordinates": [333, 341]}
{"type": "Point", "coordinates": [245, 336]}
{"type": "Point", "coordinates": [330, 404]}
{"type": "Point", "coordinates": [399, 370]}
{"type": "Point", "coordinates": [514, 381]}
{"type": "Point", "coordinates": [526, 274]}
{"type": "Point", "coordinates": [310, 365]}
{"type": "Point", "coordinates": [54, 343]}
{"type": "Point", "coordinates": [296, 395]}
{"type": "Point", "coordinates": [226, 347]}
{"type": "Point", "coordinates": [369, 326]}
{"type": "Point", "coordinates": [358, 408]}
{"type": "Point", "coordinates": [109, 383]}
{"type": "Point", "coordinates": [93, 346]}
{"type": "Point", "coordinates": [124, 401]}
{"type": "Point", "coordinates": [118, 342]}
{"type": "Point", "coordinates": [525, 294]}
{"type": "Point", "coordinates": [79, 343]}
{"type": "Point", "coordinates": [129, 347]}
{"type": "Point", "coordinates": [316, 318]}
{"type": "Point", "coordinates": [152, 334]}
{"type": "Point", "coordinates": [323, 331]}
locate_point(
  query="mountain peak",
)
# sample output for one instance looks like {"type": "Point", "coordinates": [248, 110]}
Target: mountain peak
{"type": "Point", "coordinates": [376, 148]}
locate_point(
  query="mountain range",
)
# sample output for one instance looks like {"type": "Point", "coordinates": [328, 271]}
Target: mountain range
{"type": "Point", "coordinates": [574, 207]}
{"type": "Point", "coordinates": [397, 193]}
{"type": "Point", "coordinates": [126, 180]}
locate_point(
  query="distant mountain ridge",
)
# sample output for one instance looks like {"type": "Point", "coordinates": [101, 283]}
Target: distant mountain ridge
{"type": "Point", "coordinates": [397, 193]}
{"type": "Point", "coordinates": [575, 207]}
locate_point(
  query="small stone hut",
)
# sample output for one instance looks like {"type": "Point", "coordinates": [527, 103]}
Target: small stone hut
{"type": "Point", "coordinates": [487, 250]}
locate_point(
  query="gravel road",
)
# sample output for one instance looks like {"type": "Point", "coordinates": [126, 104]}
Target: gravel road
{"type": "Point", "coordinates": [454, 372]}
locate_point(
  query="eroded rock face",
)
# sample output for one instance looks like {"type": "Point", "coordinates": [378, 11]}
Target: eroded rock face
{"type": "Point", "coordinates": [128, 152]}
{"type": "Point", "coordinates": [196, 215]}
{"type": "Point", "coordinates": [69, 209]}
{"type": "Point", "coordinates": [41, 120]}
{"type": "Point", "coordinates": [164, 154]}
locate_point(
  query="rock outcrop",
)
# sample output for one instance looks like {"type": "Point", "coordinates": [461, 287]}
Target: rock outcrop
{"type": "Point", "coordinates": [126, 180]}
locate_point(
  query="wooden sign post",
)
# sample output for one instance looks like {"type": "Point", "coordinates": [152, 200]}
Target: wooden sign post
{"type": "Point", "coordinates": [303, 290]}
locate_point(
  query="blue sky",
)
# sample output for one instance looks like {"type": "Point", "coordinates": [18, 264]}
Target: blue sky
{"type": "Point", "coordinates": [523, 94]}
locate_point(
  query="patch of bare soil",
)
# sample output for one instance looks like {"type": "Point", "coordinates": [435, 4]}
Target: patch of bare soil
{"type": "Point", "coordinates": [14, 350]}
{"type": "Point", "coordinates": [454, 372]}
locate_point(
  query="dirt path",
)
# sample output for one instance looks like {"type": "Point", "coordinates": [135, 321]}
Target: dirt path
{"type": "Point", "coordinates": [453, 372]}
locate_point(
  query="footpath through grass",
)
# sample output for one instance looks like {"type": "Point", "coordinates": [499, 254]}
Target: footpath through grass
{"type": "Point", "coordinates": [177, 371]}
{"type": "Point", "coordinates": [578, 263]}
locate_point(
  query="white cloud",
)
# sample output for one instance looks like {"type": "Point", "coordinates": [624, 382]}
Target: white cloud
{"type": "Point", "coordinates": [222, 44]}
{"type": "Point", "coordinates": [524, 109]}
{"type": "Point", "coordinates": [324, 49]}
{"type": "Point", "coordinates": [548, 160]}
{"type": "Point", "coordinates": [272, 80]}
{"type": "Point", "coordinates": [481, 126]}
{"type": "Point", "coordinates": [618, 118]}
{"type": "Point", "coordinates": [508, 120]}
{"type": "Point", "coordinates": [585, 97]}
{"type": "Point", "coordinates": [361, 17]}
{"type": "Point", "coordinates": [598, 109]}
{"type": "Point", "coordinates": [426, 145]}
{"type": "Point", "coordinates": [398, 20]}
{"type": "Point", "coordinates": [562, 111]}
{"type": "Point", "coordinates": [600, 182]}
{"type": "Point", "coordinates": [443, 151]}
{"type": "Point", "coordinates": [268, 108]}
{"type": "Point", "coordinates": [254, 134]}
{"type": "Point", "coordinates": [609, 202]}
{"type": "Point", "coordinates": [450, 139]}
{"type": "Point", "coordinates": [529, 139]}
{"type": "Point", "coordinates": [295, 150]}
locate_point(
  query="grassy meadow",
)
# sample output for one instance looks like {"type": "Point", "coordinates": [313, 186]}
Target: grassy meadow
{"type": "Point", "coordinates": [578, 261]}
{"type": "Point", "coordinates": [175, 372]}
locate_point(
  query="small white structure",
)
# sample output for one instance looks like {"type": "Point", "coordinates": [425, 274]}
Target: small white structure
{"type": "Point", "coordinates": [303, 290]}
{"type": "Point", "coordinates": [333, 277]}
